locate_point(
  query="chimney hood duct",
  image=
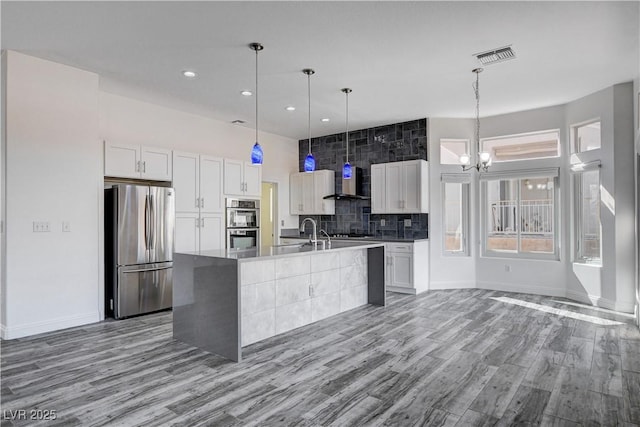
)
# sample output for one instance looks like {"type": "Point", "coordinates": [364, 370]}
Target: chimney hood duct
{"type": "Point", "coordinates": [351, 188]}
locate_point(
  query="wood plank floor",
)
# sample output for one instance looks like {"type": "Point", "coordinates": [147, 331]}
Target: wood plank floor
{"type": "Point", "coordinates": [444, 358]}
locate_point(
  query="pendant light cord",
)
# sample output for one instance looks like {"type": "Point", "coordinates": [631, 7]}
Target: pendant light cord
{"type": "Point", "coordinates": [347, 126]}
{"type": "Point", "coordinates": [476, 89]}
{"type": "Point", "coordinates": [256, 95]}
{"type": "Point", "coordinates": [309, 94]}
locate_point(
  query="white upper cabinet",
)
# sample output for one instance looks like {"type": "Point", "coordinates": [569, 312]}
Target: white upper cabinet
{"type": "Point", "coordinates": [211, 178]}
{"type": "Point", "coordinates": [186, 181]}
{"type": "Point", "coordinates": [137, 161]}
{"type": "Point", "coordinates": [306, 192]}
{"type": "Point", "coordinates": [197, 180]}
{"type": "Point", "coordinates": [400, 187]}
{"type": "Point", "coordinates": [242, 179]}
{"type": "Point", "coordinates": [378, 190]}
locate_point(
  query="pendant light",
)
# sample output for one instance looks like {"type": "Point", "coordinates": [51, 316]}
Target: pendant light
{"type": "Point", "coordinates": [346, 169]}
{"type": "Point", "coordinates": [256, 151]}
{"type": "Point", "coordinates": [309, 161]}
{"type": "Point", "coordinates": [484, 159]}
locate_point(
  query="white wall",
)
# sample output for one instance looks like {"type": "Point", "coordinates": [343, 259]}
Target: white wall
{"type": "Point", "coordinates": [53, 174]}
{"type": "Point", "coordinates": [613, 284]}
{"type": "Point", "coordinates": [129, 121]}
{"type": "Point", "coordinates": [57, 118]}
{"type": "Point", "coordinates": [448, 272]}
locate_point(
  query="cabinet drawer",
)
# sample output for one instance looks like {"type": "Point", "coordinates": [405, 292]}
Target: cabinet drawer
{"type": "Point", "coordinates": [400, 247]}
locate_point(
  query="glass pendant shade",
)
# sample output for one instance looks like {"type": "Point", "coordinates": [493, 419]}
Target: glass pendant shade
{"type": "Point", "coordinates": [465, 159]}
{"type": "Point", "coordinates": [256, 154]}
{"type": "Point", "coordinates": [309, 163]}
{"type": "Point", "coordinates": [346, 171]}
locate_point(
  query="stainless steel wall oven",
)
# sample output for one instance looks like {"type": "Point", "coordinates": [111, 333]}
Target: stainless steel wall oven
{"type": "Point", "coordinates": [243, 224]}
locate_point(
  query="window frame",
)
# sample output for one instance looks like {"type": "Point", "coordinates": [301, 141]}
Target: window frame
{"type": "Point", "coordinates": [577, 217]}
{"type": "Point", "coordinates": [573, 137]}
{"type": "Point", "coordinates": [520, 176]}
{"type": "Point", "coordinates": [465, 192]}
{"type": "Point", "coordinates": [534, 159]}
{"type": "Point", "coordinates": [467, 143]}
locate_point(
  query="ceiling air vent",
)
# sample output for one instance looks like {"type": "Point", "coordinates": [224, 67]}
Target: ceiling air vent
{"type": "Point", "coordinates": [495, 55]}
{"type": "Point", "coordinates": [238, 122]}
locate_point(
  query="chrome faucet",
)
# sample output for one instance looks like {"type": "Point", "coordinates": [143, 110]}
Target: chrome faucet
{"type": "Point", "coordinates": [328, 237]}
{"type": "Point", "coordinates": [314, 237]}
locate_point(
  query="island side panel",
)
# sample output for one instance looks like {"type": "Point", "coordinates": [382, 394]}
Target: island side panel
{"type": "Point", "coordinates": [375, 276]}
{"type": "Point", "coordinates": [206, 304]}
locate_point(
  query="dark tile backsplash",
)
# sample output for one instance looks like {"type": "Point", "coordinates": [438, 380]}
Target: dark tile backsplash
{"type": "Point", "coordinates": [382, 144]}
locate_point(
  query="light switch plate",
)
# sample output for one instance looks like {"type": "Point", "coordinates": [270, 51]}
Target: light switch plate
{"type": "Point", "coordinates": [382, 223]}
{"type": "Point", "coordinates": [66, 226]}
{"type": "Point", "coordinates": [407, 223]}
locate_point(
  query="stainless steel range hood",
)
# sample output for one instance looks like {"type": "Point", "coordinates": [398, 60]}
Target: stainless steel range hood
{"type": "Point", "coordinates": [351, 188]}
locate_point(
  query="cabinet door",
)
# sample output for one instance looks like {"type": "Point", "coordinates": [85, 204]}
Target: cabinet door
{"type": "Point", "coordinates": [401, 269]}
{"type": "Point", "coordinates": [156, 163]}
{"type": "Point", "coordinates": [186, 181]}
{"type": "Point", "coordinates": [211, 198]}
{"type": "Point", "coordinates": [393, 187]}
{"type": "Point", "coordinates": [378, 190]}
{"type": "Point", "coordinates": [324, 185]}
{"type": "Point", "coordinates": [211, 232]}
{"type": "Point", "coordinates": [308, 194]}
{"type": "Point", "coordinates": [121, 160]}
{"type": "Point", "coordinates": [295, 194]}
{"type": "Point", "coordinates": [187, 232]}
{"type": "Point", "coordinates": [411, 187]}
{"type": "Point", "coordinates": [252, 180]}
{"type": "Point", "coordinates": [233, 182]}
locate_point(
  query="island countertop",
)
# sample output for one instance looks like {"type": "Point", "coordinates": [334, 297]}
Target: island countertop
{"type": "Point", "coordinates": [224, 300]}
{"type": "Point", "coordinates": [267, 252]}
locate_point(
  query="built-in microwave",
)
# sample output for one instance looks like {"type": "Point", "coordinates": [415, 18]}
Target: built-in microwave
{"type": "Point", "coordinates": [243, 224]}
{"type": "Point", "coordinates": [243, 213]}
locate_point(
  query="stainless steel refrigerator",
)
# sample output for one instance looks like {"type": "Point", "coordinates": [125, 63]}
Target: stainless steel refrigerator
{"type": "Point", "coordinates": [139, 222]}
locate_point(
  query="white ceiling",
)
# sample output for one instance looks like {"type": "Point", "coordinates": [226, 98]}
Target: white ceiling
{"type": "Point", "coordinates": [403, 60]}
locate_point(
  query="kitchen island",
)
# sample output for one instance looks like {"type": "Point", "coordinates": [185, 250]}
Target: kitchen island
{"type": "Point", "coordinates": [224, 300]}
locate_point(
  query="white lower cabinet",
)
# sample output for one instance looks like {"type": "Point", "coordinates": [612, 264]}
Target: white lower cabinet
{"type": "Point", "coordinates": [195, 232]}
{"type": "Point", "coordinates": [407, 267]}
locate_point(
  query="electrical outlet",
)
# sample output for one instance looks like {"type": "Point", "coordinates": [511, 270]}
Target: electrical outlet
{"type": "Point", "coordinates": [282, 223]}
{"type": "Point", "coordinates": [66, 226]}
{"type": "Point", "coordinates": [407, 223]}
{"type": "Point", "coordinates": [507, 268]}
{"type": "Point", "coordinates": [41, 226]}
{"type": "Point", "coordinates": [383, 223]}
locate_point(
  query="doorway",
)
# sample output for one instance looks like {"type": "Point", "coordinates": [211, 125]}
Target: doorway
{"type": "Point", "coordinates": [268, 214]}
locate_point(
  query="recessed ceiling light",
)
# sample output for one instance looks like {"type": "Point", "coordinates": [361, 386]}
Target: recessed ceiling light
{"type": "Point", "coordinates": [324, 120]}
{"type": "Point", "coordinates": [246, 93]}
{"type": "Point", "coordinates": [290, 108]}
{"type": "Point", "coordinates": [189, 74]}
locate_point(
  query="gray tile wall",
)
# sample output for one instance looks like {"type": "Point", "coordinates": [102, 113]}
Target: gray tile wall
{"type": "Point", "coordinates": [382, 144]}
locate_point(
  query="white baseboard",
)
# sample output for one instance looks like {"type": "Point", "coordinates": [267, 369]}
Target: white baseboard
{"type": "Point", "coordinates": [19, 331]}
{"type": "Point", "coordinates": [410, 291]}
{"type": "Point", "coordinates": [525, 289]}
{"type": "Point", "coordinates": [433, 286]}
{"type": "Point", "coordinates": [601, 302]}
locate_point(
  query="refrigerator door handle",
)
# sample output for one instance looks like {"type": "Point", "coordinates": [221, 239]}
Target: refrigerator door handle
{"type": "Point", "coordinates": [146, 222]}
{"type": "Point", "coordinates": [152, 221]}
{"type": "Point", "coordinates": [146, 269]}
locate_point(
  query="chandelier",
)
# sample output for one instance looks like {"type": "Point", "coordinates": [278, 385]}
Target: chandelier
{"type": "Point", "coordinates": [484, 158]}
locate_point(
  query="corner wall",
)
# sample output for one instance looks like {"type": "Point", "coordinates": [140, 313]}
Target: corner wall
{"type": "Point", "coordinates": [52, 175]}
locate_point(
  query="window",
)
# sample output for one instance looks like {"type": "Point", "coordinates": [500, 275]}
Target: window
{"type": "Point", "coordinates": [520, 214]}
{"type": "Point", "coordinates": [527, 146]}
{"type": "Point", "coordinates": [586, 137]}
{"type": "Point", "coordinates": [587, 209]}
{"type": "Point", "coordinates": [455, 215]}
{"type": "Point", "coordinates": [452, 149]}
